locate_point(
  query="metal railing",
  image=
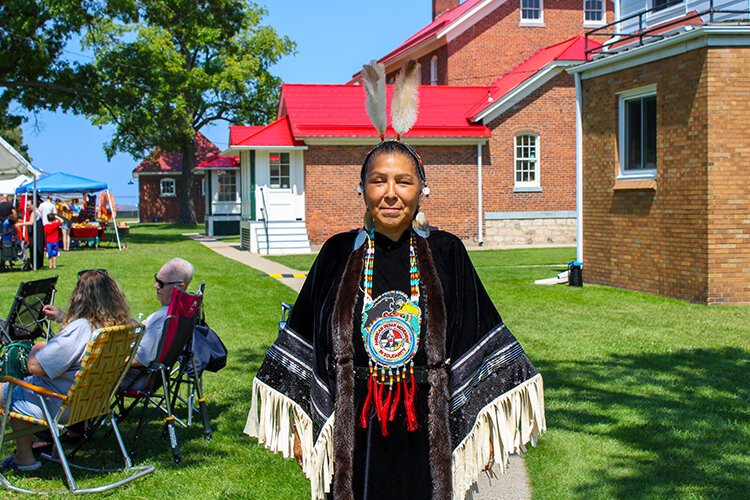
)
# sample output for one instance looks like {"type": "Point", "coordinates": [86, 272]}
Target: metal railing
{"type": "Point", "coordinates": [644, 35]}
{"type": "Point", "coordinates": [264, 213]}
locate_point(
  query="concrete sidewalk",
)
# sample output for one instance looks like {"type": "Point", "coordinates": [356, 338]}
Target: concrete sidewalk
{"type": "Point", "coordinates": [513, 485]}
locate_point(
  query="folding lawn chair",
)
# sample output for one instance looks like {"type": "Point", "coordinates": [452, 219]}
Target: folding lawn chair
{"type": "Point", "coordinates": [25, 320]}
{"type": "Point", "coordinates": [153, 389]}
{"type": "Point", "coordinates": [107, 359]}
{"type": "Point", "coordinates": [190, 376]}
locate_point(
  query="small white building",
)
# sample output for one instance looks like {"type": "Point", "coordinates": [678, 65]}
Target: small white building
{"type": "Point", "coordinates": [221, 190]}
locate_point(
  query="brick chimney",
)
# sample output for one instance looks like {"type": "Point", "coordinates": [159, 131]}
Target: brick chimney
{"type": "Point", "coordinates": [440, 6]}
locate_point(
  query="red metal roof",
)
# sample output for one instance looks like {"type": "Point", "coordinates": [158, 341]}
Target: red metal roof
{"type": "Point", "coordinates": [166, 163]}
{"type": "Point", "coordinates": [219, 162]}
{"type": "Point", "coordinates": [339, 111]}
{"type": "Point", "coordinates": [573, 49]}
{"type": "Point", "coordinates": [277, 133]}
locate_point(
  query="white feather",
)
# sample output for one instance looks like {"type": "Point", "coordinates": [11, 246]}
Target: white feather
{"type": "Point", "coordinates": [373, 79]}
{"type": "Point", "coordinates": [405, 100]}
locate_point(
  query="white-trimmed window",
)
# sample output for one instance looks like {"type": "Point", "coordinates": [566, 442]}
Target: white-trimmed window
{"type": "Point", "coordinates": [637, 133]}
{"type": "Point", "coordinates": [167, 187]}
{"type": "Point", "coordinates": [279, 170]}
{"type": "Point", "coordinates": [526, 161]}
{"type": "Point", "coordinates": [532, 12]}
{"type": "Point", "coordinates": [227, 185]}
{"type": "Point", "coordinates": [434, 70]}
{"type": "Point", "coordinates": [593, 12]}
{"type": "Point", "coordinates": [658, 5]}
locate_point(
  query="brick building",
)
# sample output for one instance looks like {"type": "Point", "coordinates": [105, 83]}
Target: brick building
{"type": "Point", "coordinates": [666, 189]}
{"type": "Point", "coordinates": [215, 187]}
{"type": "Point", "coordinates": [496, 130]}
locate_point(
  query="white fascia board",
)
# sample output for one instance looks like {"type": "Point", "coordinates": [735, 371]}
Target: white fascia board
{"type": "Point", "coordinates": [522, 91]}
{"type": "Point", "coordinates": [469, 18]}
{"type": "Point", "coordinates": [696, 38]}
{"type": "Point", "coordinates": [151, 174]}
{"type": "Point", "coordinates": [235, 150]}
{"type": "Point", "coordinates": [415, 141]}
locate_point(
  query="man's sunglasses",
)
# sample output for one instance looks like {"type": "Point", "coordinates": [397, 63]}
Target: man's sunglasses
{"type": "Point", "coordinates": [162, 284]}
{"type": "Point", "coordinates": [84, 271]}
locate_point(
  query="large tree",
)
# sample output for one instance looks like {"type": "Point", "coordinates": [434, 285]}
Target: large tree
{"type": "Point", "coordinates": [167, 68]}
{"type": "Point", "coordinates": [34, 71]}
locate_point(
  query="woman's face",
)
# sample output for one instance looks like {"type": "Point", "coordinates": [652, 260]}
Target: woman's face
{"type": "Point", "coordinates": [392, 190]}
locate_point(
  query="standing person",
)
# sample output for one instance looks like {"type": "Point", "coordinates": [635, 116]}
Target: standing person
{"type": "Point", "coordinates": [52, 239]}
{"type": "Point", "coordinates": [75, 207]}
{"type": "Point", "coordinates": [45, 208]}
{"type": "Point", "coordinates": [5, 206]}
{"type": "Point", "coordinates": [394, 335]}
{"type": "Point", "coordinates": [97, 302]}
{"type": "Point", "coordinates": [34, 221]}
{"type": "Point", "coordinates": [66, 214]}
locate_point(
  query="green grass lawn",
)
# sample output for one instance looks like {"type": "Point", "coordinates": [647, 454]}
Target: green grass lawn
{"type": "Point", "coordinates": [645, 396]}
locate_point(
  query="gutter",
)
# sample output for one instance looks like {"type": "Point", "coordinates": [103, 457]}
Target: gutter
{"type": "Point", "coordinates": [579, 168]}
{"type": "Point", "coordinates": [480, 220]}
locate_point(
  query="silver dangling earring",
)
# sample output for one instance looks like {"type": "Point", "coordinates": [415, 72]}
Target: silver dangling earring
{"type": "Point", "coordinates": [426, 190]}
{"type": "Point", "coordinates": [364, 232]}
{"type": "Point", "coordinates": [360, 190]}
{"type": "Point", "coordinates": [420, 225]}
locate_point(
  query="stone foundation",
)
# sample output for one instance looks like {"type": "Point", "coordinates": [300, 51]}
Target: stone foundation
{"type": "Point", "coordinates": [522, 229]}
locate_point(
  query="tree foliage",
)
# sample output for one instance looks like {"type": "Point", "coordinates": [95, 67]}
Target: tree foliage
{"type": "Point", "coordinates": [164, 69]}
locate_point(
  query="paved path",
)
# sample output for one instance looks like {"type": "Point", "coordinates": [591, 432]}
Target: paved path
{"type": "Point", "coordinates": [514, 485]}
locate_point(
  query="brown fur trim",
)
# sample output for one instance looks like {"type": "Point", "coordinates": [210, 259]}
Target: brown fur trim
{"type": "Point", "coordinates": [438, 400]}
{"type": "Point", "coordinates": [343, 353]}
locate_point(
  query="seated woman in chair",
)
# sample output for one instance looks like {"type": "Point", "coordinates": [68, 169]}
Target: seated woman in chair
{"type": "Point", "coordinates": [97, 302]}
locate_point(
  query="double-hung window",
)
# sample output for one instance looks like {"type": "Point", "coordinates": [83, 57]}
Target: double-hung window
{"type": "Point", "coordinates": [663, 4]}
{"type": "Point", "coordinates": [227, 185]}
{"type": "Point", "coordinates": [532, 12]}
{"type": "Point", "coordinates": [279, 170]}
{"type": "Point", "coordinates": [167, 188]}
{"type": "Point", "coordinates": [593, 12]}
{"type": "Point", "coordinates": [526, 161]}
{"type": "Point", "coordinates": [637, 133]}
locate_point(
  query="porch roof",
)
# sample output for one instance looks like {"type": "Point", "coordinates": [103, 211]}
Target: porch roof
{"type": "Point", "coordinates": [276, 134]}
{"type": "Point", "coordinates": [219, 162]}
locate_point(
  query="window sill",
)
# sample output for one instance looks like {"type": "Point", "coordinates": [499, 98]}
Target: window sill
{"type": "Point", "coordinates": [531, 24]}
{"type": "Point", "coordinates": [646, 185]}
{"type": "Point", "coordinates": [167, 196]}
{"type": "Point", "coordinates": [527, 189]}
{"type": "Point", "coordinates": [593, 24]}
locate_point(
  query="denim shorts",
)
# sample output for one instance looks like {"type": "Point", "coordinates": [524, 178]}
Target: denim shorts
{"type": "Point", "coordinates": [24, 402]}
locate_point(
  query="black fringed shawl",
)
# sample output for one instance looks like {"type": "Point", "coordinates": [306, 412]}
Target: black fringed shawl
{"type": "Point", "coordinates": [473, 361]}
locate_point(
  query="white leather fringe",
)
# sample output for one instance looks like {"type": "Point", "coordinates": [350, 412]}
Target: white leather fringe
{"type": "Point", "coordinates": [502, 427]}
{"type": "Point", "coordinates": [272, 420]}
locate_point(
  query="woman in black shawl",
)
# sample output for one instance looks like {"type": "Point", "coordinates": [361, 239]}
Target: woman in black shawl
{"type": "Point", "coordinates": [474, 396]}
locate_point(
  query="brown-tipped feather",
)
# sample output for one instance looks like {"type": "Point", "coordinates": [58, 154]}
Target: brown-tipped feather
{"type": "Point", "coordinates": [373, 79]}
{"type": "Point", "coordinates": [405, 100]}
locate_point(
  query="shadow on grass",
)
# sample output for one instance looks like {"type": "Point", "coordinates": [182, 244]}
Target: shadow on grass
{"type": "Point", "coordinates": [682, 417]}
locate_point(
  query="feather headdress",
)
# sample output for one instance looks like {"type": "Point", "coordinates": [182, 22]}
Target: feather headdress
{"type": "Point", "coordinates": [405, 100]}
{"type": "Point", "coordinates": [373, 78]}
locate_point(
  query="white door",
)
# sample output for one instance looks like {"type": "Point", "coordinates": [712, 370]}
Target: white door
{"type": "Point", "coordinates": [280, 186]}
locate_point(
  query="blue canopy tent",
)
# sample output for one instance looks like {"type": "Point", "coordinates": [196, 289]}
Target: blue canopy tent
{"type": "Point", "coordinates": [66, 183]}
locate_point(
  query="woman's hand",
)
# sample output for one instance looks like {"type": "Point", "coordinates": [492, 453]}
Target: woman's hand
{"type": "Point", "coordinates": [53, 313]}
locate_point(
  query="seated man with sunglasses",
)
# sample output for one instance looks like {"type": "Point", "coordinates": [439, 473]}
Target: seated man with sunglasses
{"type": "Point", "coordinates": [175, 273]}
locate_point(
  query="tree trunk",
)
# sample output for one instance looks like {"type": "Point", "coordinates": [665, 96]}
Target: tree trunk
{"type": "Point", "coordinates": [187, 206]}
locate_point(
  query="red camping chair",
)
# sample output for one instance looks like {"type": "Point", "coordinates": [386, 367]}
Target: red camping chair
{"type": "Point", "coordinates": [154, 389]}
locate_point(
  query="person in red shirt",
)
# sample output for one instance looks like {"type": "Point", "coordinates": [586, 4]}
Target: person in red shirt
{"type": "Point", "coordinates": [52, 238]}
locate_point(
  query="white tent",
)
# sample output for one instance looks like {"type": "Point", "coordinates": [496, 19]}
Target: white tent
{"type": "Point", "coordinates": [12, 164]}
{"type": "Point", "coordinates": [9, 186]}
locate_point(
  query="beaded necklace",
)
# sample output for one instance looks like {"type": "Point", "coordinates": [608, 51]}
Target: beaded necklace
{"type": "Point", "coordinates": [391, 326]}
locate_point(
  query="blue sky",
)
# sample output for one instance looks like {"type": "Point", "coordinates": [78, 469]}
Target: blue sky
{"type": "Point", "coordinates": [334, 38]}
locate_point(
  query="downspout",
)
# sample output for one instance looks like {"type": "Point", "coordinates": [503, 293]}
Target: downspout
{"type": "Point", "coordinates": [479, 194]}
{"type": "Point", "coordinates": [579, 169]}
